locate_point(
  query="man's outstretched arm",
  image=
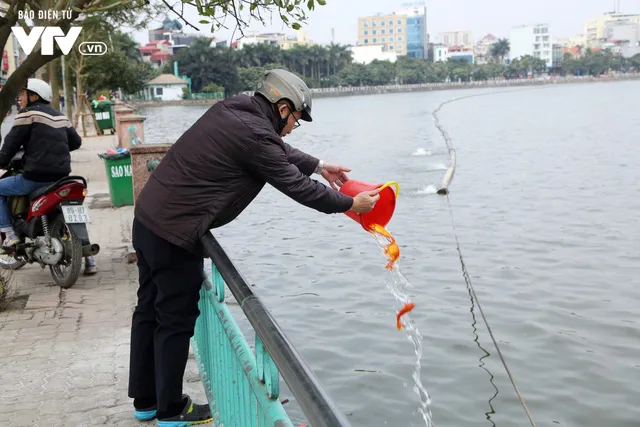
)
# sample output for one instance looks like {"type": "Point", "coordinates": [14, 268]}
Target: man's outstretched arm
{"type": "Point", "coordinates": [272, 164]}
{"type": "Point", "coordinates": [303, 161]}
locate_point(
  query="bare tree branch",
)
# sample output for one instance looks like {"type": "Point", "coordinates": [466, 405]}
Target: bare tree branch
{"type": "Point", "coordinates": [180, 15]}
{"type": "Point", "coordinates": [106, 8]}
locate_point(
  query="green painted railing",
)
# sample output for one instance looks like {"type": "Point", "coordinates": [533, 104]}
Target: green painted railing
{"type": "Point", "coordinates": [205, 95]}
{"type": "Point", "coordinates": [242, 389]}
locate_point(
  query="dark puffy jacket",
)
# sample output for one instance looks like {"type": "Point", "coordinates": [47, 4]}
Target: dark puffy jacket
{"type": "Point", "coordinates": [219, 165]}
{"type": "Point", "coordinates": [47, 137]}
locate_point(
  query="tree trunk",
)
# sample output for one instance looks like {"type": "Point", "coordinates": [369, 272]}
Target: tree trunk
{"type": "Point", "coordinates": [68, 101]}
{"type": "Point", "coordinates": [80, 103]}
{"type": "Point", "coordinates": [54, 81]}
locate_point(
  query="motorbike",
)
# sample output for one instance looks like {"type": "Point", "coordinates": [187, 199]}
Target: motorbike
{"type": "Point", "coordinates": [51, 223]}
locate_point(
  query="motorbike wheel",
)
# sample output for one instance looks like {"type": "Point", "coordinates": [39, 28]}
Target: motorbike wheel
{"type": "Point", "coordinates": [66, 275]}
{"type": "Point", "coordinates": [14, 264]}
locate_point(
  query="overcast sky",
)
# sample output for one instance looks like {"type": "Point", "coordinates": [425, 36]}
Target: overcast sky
{"type": "Point", "coordinates": [566, 17]}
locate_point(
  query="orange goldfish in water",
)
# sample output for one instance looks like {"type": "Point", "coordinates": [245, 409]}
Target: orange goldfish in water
{"type": "Point", "coordinates": [393, 253]}
{"type": "Point", "coordinates": [381, 230]}
{"type": "Point", "coordinates": [407, 308]}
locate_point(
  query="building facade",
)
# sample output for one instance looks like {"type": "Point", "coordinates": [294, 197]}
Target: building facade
{"type": "Point", "coordinates": [533, 40]}
{"type": "Point", "coordinates": [300, 39]}
{"type": "Point", "coordinates": [595, 29]}
{"type": "Point", "coordinates": [417, 35]}
{"type": "Point", "coordinates": [282, 40]}
{"type": "Point", "coordinates": [389, 31]}
{"type": "Point", "coordinates": [165, 87]}
{"type": "Point", "coordinates": [368, 53]}
{"type": "Point", "coordinates": [623, 36]}
{"type": "Point", "coordinates": [482, 49]}
{"type": "Point", "coordinates": [557, 56]}
{"type": "Point", "coordinates": [455, 38]}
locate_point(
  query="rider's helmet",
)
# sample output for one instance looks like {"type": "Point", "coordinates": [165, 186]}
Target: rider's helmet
{"type": "Point", "coordinates": [40, 88]}
{"type": "Point", "coordinates": [278, 85]}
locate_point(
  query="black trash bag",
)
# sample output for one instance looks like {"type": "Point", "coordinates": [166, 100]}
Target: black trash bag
{"type": "Point", "coordinates": [115, 156]}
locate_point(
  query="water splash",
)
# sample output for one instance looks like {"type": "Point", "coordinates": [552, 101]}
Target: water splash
{"type": "Point", "coordinates": [421, 152]}
{"type": "Point", "coordinates": [429, 189]}
{"type": "Point", "coordinates": [438, 167]}
{"type": "Point", "coordinates": [397, 284]}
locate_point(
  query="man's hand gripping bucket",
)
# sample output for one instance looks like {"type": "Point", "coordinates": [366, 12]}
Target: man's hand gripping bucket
{"type": "Point", "coordinates": [384, 208]}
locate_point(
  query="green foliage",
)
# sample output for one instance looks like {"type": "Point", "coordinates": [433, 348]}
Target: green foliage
{"type": "Point", "coordinates": [500, 49]}
{"type": "Point", "coordinates": [332, 66]}
{"type": "Point", "coordinates": [205, 65]}
{"type": "Point", "coordinates": [212, 88]}
{"type": "Point", "coordinates": [121, 67]}
{"type": "Point", "coordinates": [596, 63]}
{"type": "Point", "coordinates": [293, 13]}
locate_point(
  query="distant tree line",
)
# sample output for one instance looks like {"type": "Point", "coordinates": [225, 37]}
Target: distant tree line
{"type": "Point", "coordinates": [237, 70]}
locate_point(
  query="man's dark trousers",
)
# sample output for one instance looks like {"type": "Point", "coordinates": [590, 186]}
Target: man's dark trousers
{"type": "Point", "coordinates": [164, 319]}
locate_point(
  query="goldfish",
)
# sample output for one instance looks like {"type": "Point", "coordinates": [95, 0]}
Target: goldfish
{"type": "Point", "coordinates": [393, 253]}
{"type": "Point", "coordinates": [381, 230]}
{"type": "Point", "coordinates": [407, 308]}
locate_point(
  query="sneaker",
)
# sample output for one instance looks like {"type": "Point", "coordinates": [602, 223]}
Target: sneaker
{"type": "Point", "coordinates": [11, 240]}
{"type": "Point", "coordinates": [145, 414]}
{"type": "Point", "coordinates": [90, 266]}
{"type": "Point", "coordinates": [192, 414]}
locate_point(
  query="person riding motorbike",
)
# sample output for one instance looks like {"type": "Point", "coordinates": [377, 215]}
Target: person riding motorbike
{"type": "Point", "coordinates": [47, 137]}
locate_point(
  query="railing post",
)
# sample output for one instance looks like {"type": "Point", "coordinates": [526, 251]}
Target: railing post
{"type": "Point", "coordinates": [119, 111]}
{"type": "Point", "coordinates": [144, 159]}
{"type": "Point", "coordinates": [124, 123]}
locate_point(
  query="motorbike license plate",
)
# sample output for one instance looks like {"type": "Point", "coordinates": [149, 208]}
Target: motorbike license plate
{"type": "Point", "coordinates": [75, 214]}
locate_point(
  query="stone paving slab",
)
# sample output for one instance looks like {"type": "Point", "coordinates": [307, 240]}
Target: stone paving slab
{"type": "Point", "coordinates": [64, 357]}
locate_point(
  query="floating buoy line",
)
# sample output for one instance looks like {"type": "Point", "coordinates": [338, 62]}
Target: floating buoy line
{"type": "Point", "coordinates": [444, 190]}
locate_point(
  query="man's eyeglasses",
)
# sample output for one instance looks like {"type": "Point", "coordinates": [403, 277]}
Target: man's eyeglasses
{"type": "Point", "coordinates": [297, 124]}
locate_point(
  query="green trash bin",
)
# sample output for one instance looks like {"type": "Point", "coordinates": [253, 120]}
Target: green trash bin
{"type": "Point", "coordinates": [105, 117]}
{"type": "Point", "coordinates": [118, 167]}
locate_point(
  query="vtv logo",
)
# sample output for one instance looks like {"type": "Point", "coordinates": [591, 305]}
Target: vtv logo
{"type": "Point", "coordinates": [48, 34]}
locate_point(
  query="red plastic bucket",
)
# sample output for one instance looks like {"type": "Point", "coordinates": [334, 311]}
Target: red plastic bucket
{"type": "Point", "coordinates": [384, 208]}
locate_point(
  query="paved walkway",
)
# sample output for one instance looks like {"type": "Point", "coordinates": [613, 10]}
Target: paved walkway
{"type": "Point", "coordinates": [64, 356]}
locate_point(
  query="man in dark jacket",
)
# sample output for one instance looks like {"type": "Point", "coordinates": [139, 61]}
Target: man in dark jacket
{"type": "Point", "coordinates": [47, 137]}
{"type": "Point", "coordinates": [207, 178]}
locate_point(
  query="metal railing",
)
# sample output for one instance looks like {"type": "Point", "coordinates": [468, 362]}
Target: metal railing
{"type": "Point", "coordinates": [243, 388]}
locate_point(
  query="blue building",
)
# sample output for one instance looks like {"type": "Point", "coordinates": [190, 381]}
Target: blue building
{"type": "Point", "coordinates": [416, 36]}
{"type": "Point", "coordinates": [416, 32]}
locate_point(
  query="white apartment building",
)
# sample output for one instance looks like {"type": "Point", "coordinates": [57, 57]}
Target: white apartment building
{"type": "Point", "coordinates": [595, 29]}
{"type": "Point", "coordinates": [623, 37]}
{"type": "Point", "coordinates": [368, 53]}
{"type": "Point", "coordinates": [534, 40]}
{"type": "Point", "coordinates": [455, 38]}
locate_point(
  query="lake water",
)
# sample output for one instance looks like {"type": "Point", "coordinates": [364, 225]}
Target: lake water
{"type": "Point", "coordinates": [545, 198]}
